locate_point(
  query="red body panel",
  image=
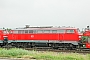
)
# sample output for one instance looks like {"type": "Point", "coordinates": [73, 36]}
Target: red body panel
{"type": "Point", "coordinates": [1, 35]}
{"type": "Point", "coordinates": [87, 45]}
{"type": "Point", "coordinates": [71, 37]}
{"type": "Point", "coordinates": [61, 37]}
{"type": "Point", "coordinates": [33, 36]}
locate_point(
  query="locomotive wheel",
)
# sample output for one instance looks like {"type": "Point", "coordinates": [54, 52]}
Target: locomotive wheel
{"type": "Point", "coordinates": [54, 46]}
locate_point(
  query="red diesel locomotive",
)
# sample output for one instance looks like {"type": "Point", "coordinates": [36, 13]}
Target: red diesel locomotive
{"type": "Point", "coordinates": [56, 37]}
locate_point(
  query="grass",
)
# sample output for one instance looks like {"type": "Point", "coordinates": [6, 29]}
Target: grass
{"type": "Point", "coordinates": [41, 55]}
{"type": "Point", "coordinates": [59, 56]}
{"type": "Point", "coordinates": [13, 52]}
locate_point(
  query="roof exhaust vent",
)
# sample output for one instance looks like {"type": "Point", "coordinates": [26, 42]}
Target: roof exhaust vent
{"type": "Point", "coordinates": [27, 26]}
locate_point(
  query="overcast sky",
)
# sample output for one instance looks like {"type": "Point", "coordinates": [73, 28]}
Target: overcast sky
{"type": "Point", "coordinates": [18, 13]}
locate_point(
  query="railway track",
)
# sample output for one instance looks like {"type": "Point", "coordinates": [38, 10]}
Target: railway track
{"type": "Point", "coordinates": [58, 50]}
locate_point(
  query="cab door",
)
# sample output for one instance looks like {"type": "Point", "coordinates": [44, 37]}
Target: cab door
{"type": "Point", "coordinates": [70, 35]}
{"type": "Point", "coordinates": [61, 33]}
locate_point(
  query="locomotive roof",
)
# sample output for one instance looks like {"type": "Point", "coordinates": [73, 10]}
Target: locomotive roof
{"type": "Point", "coordinates": [53, 28]}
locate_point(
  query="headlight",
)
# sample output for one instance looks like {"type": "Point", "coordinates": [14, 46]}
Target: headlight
{"type": "Point", "coordinates": [80, 36]}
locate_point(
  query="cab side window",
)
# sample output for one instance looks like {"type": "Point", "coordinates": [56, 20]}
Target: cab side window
{"type": "Point", "coordinates": [61, 31]}
{"type": "Point", "coordinates": [70, 31]}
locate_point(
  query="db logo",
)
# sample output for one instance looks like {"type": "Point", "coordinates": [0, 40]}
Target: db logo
{"type": "Point", "coordinates": [32, 36]}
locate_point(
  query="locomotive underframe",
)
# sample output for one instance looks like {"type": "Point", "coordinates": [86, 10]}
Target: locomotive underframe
{"type": "Point", "coordinates": [38, 43]}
